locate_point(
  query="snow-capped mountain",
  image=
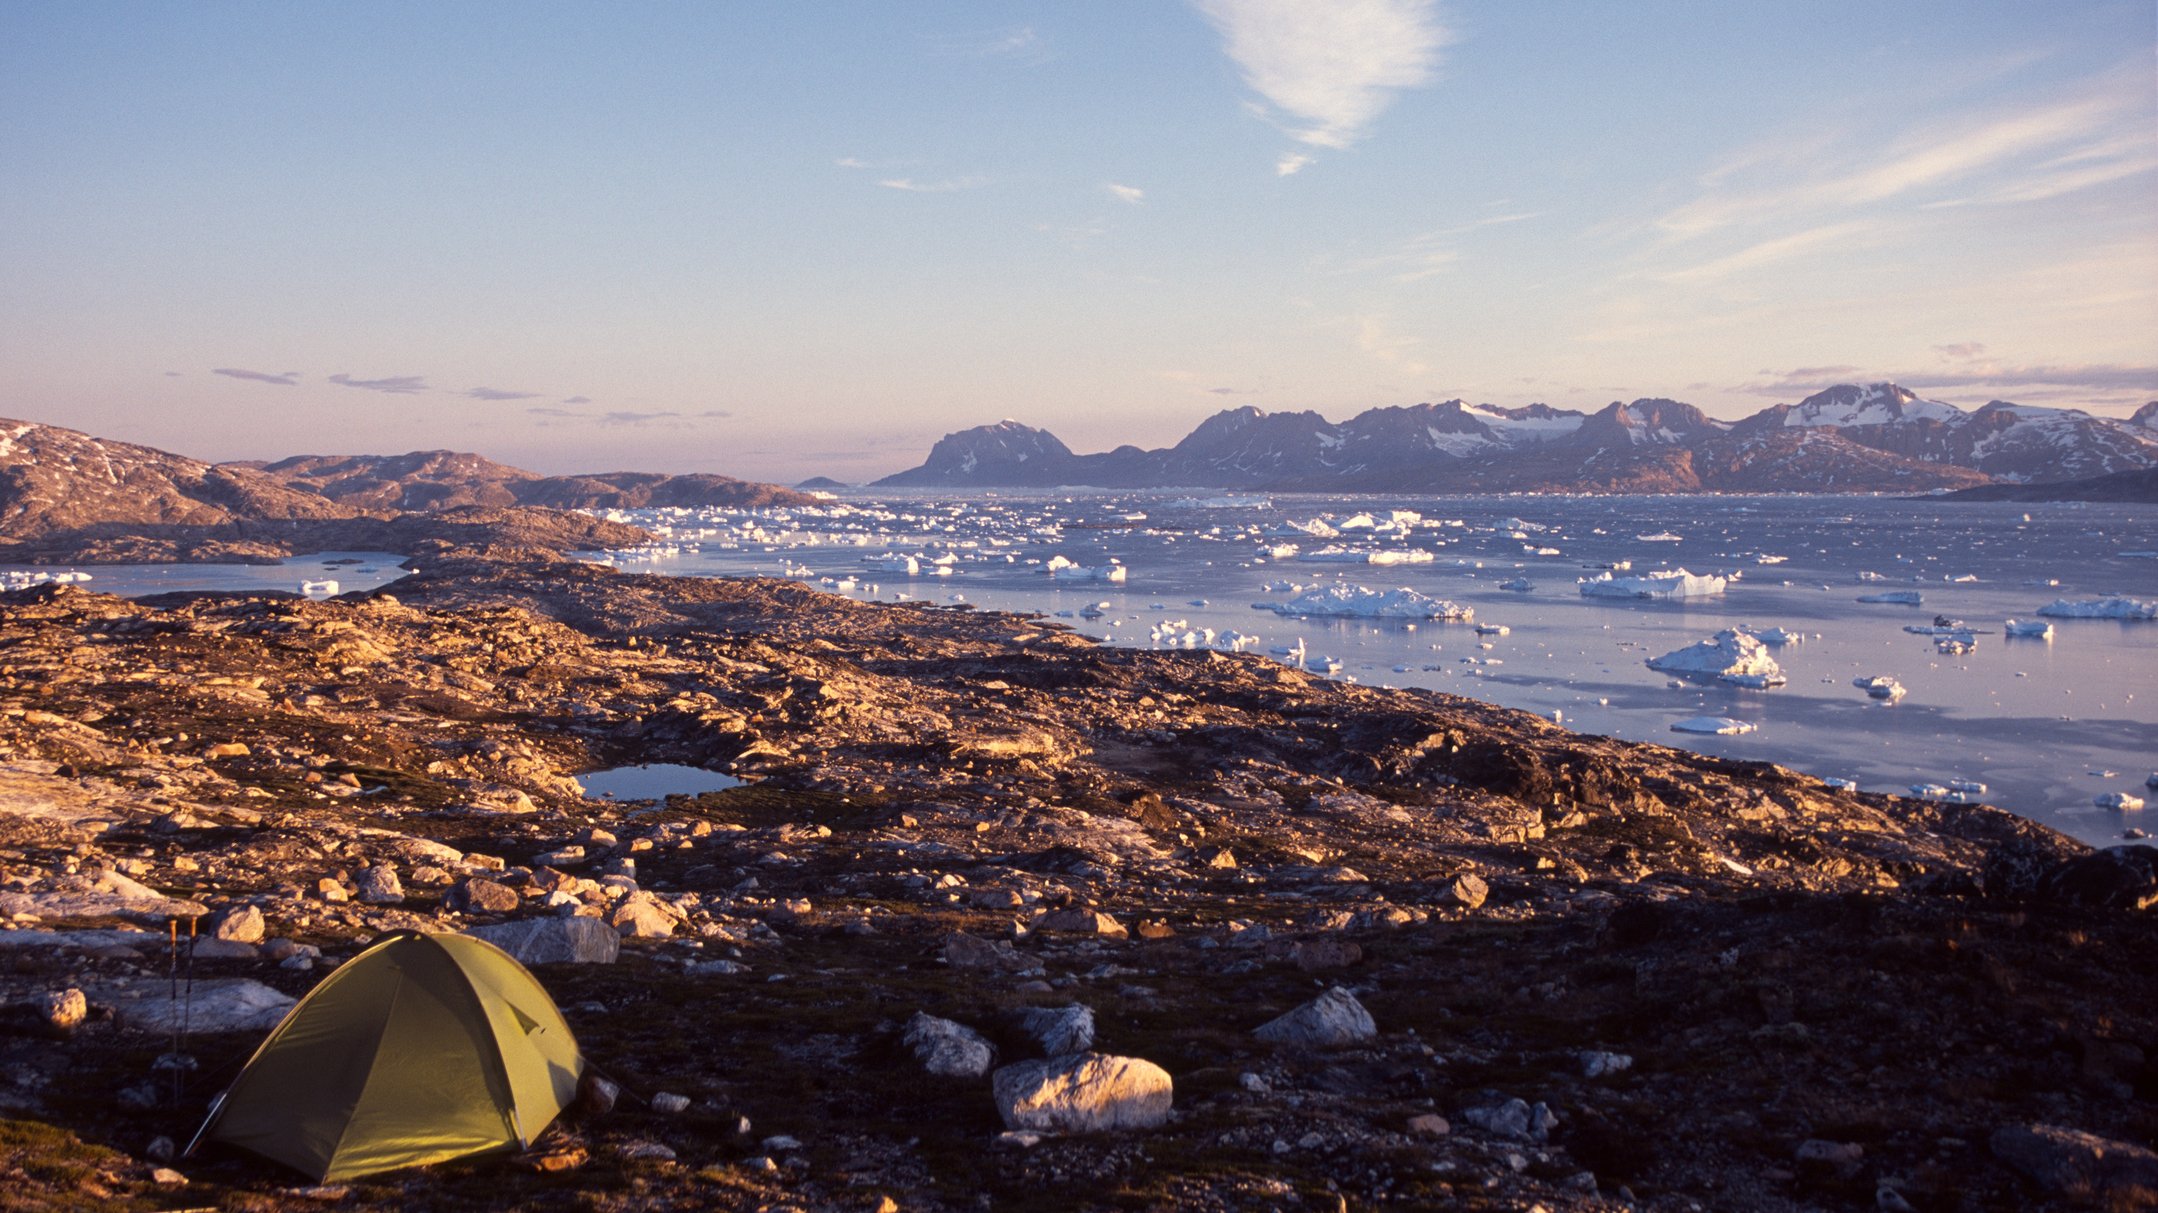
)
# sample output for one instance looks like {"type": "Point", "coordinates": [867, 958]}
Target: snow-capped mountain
{"type": "Point", "coordinates": [1855, 438]}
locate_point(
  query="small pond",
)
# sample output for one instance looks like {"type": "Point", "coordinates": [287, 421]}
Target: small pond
{"type": "Point", "coordinates": [653, 781]}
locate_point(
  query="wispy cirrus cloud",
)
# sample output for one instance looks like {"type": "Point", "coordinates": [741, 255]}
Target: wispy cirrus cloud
{"type": "Point", "coordinates": [1429, 254]}
{"type": "Point", "coordinates": [1768, 252]}
{"type": "Point", "coordinates": [1124, 193]}
{"type": "Point", "coordinates": [617, 418]}
{"type": "Point", "coordinates": [395, 385]}
{"type": "Point", "coordinates": [947, 185]}
{"type": "Point", "coordinates": [281, 379]}
{"type": "Point", "coordinates": [2091, 135]}
{"type": "Point", "coordinates": [1018, 43]}
{"type": "Point", "coordinates": [2108, 382]}
{"type": "Point", "coordinates": [1325, 72]}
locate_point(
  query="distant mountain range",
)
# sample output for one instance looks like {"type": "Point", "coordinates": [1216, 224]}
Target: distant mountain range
{"type": "Point", "coordinates": [68, 496]}
{"type": "Point", "coordinates": [1849, 438]}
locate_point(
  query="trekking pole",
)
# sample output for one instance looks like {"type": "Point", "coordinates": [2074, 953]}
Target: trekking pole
{"type": "Point", "coordinates": [187, 1006]}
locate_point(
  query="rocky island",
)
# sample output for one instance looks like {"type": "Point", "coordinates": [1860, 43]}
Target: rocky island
{"type": "Point", "coordinates": [1003, 918]}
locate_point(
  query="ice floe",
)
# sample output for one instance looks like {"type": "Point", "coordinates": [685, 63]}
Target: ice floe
{"type": "Point", "coordinates": [2034, 629]}
{"type": "Point", "coordinates": [1664, 583]}
{"type": "Point", "coordinates": [1731, 656]}
{"type": "Point", "coordinates": [1722, 725]}
{"type": "Point", "coordinates": [2119, 800]}
{"type": "Point", "coordinates": [327, 588]}
{"type": "Point", "coordinates": [1065, 569]}
{"type": "Point", "coordinates": [1518, 585]}
{"type": "Point", "coordinates": [1363, 602]}
{"type": "Point", "coordinates": [2116, 607]}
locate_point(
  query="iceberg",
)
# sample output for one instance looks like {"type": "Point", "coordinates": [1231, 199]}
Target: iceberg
{"type": "Point", "coordinates": [1894, 598]}
{"type": "Point", "coordinates": [1342, 555]}
{"type": "Point", "coordinates": [1880, 686]}
{"type": "Point", "coordinates": [1776, 638]}
{"type": "Point", "coordinates": [1518, 585]}
{"type": "Point", "coordinates": [2036, 629]}
{"type": "Point", "coordinates": [2119, 800]}
{"type": "Point", "coordinates": [326, 586]}
{"type": "Point", "coordinates": [1362, 602]}
{"type": "Point", "coordinates": [1671, 583]}
{"type": "Point", "coordinates": [1492, 629]}
{"type": "Point", "coordinates": [2116, 607]}
{"type": "Point", "coordinates": [1065, 569]}
{"type": "Point", "coordinates": [1732, 656]}
{"type": "Point", "coordinates": [1722, 725]}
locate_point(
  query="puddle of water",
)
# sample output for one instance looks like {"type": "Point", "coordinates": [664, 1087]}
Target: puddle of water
{"type": "Point", "coordinates": [654, 781]}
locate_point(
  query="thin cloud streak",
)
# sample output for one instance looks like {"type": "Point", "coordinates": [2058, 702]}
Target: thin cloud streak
{"type": "Point", "coordinates": [396, 385]}
{"type": "Point", "coordinates": [495, 393]}
{"type": "Point", "coordinates": [949, 186]}
{"type": "Point", "coordinates": [287, 379]}
{"type": "Point", "coordinates": [1125, 193]}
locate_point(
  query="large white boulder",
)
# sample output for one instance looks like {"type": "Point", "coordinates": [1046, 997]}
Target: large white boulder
{"type": "Point", "coordinates": [1333, 1018]}
{"type": "Point", "coordinates": [538, 941]}
{"type": "Point", "coordinates": [1083, 1093]}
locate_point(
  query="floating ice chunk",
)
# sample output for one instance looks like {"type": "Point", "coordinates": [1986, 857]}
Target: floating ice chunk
{"type": "Point", "coordinates": [1880, 686]}
{"type": "Point", "coordinates": [1664, 583]}
{"type": "Point", "coordinates": [1065, 569]}
{"type": "Point", "coordinates": [1518, 585]}
{"type": "Point", "coordinates": [1966, 787]}
{"type": "Point", "coordinates": [2036, 629]}
{"type": "Point", "coordinates": [1840, 783]}
{"type": "Point", "coordinates": [1712, 724]}
{"type": "Point", "coordinates": [1516, 524]}
{"type": "Point", "coordinates": [2119, 800]}
{"type": "Point", "coordinates": [1776, 638]}
{"type": "Point", "coordinates": [1732, 656]}
{"type": "Point", "coordinates": [326, 587]}
{"type": "Point", "coordinates": [1869, 575]}
{"type": "Point", "coordinates": [2152, 781]}
{"type": "Point", "coordinates": [1279, 551]}
{"type": "Point", "coordinates": [1661, 537]}
{"type": "Point", "coordinates": [1765, 558]}
{"type": "Point", "coordinates": [892, 562]}
{"type": "Point", "coordinates": [2116, 607]}
{"type": "Point", "coordinates": [1366, 603]}
{"type": "Point", "coordinates": [1955, 644]}
{"type": "Point", "coordinates": [1357, 522]}
{"type": "Point", "coordinates": [1895, 598]}
{"type": "Point", "coordinates": [1492, 629]}
{"type": "Point", "coordinates": [1343, 555]}
{"type": "Point", "coordinates": [1930, 791]}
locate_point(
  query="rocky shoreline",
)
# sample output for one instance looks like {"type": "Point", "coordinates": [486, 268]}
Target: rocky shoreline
{"type": "Point", "coordinates": [1284, 942]}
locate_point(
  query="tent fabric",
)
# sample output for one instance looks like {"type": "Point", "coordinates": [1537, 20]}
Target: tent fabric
{"type": "Point", "coordinates": [421, 1049]}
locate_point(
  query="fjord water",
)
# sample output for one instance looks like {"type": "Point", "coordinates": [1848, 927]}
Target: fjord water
{"type": "Point", "coordinates": [2046, 725]}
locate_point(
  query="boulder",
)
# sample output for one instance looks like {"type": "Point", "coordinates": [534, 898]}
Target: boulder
{"type": "Point", "coordinates": [948, 1048]}
{"type": "Point", "coordinates": [1333, 1018]}
{"type": "Point", "coordinates": [240, 923]}
{"type": "Point", "coordinates": [2117, 877]}
{"type": "Point", "coordinates": [1083, 1093]}
{"type": "Point", "coordinates": [65, 1009]}
{"type": "Point", "coordinates": [535, 941]}
{"type": "Point", "coordinates": [1059, 1030]}
{"type": "Point", "coordinates": [1467, 890]}
{"type": "Point", "coordinates": [1083, 922]}
{"type": "Point", "coordinates": [479, 895]}
{"type": "Point", "coordinates": [2079, 1165]}
{"type": "Point", "coordinates": [218, 1005]}
{"type": "Point", "coordinates": [642, 918]}
{"type": "Point", "coordinates": [379, 886]}
{"type": "Point", "coordinates": [964, 951]}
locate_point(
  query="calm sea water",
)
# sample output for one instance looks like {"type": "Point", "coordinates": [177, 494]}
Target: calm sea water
{"type": "Point", "coordinates": [2046, 725]}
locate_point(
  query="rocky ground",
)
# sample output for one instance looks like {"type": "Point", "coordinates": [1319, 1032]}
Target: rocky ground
{"type": "Point", "coordinates": [1280, 942]}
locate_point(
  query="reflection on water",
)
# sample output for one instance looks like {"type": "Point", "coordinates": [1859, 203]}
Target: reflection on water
{"type": "Point", "coordinates": [654, 781]}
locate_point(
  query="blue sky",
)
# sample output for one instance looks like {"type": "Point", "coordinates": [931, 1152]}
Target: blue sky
{"type": "Point", "coordinates": [780, 240]}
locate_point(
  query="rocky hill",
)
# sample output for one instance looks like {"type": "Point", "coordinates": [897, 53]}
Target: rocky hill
{"type": "Point", "coordinates": [1007, 919]}
{"type": "Point", "coordinates": [1849, 438]}
{"type": "Point", "coordinates": [2140, 486]}
{"type": "Point", "coordinates": [434, 480]}
{"type": "Point", "coordinates": [66, 496]}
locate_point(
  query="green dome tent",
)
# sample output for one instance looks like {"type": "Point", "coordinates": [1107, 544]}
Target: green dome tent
{"type": "Point", "coordinates": [421, 1049]}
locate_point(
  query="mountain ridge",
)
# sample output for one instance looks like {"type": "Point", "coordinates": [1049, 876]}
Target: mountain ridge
{"type": "Point", "coordinates": [1850, 437]}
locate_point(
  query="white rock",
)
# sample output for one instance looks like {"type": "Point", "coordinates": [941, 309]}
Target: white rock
{"type": "Point", "coordinates": [552, 940]}
{"type": "Point", "coordinates": [1333, 1018]}
{"type": "Point", "coordinates": [948, 1048]}
{"type": "Point", "coordinates": [1083, 1093]}
{"type": "Point", "coordinates": [1059, 1030]}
